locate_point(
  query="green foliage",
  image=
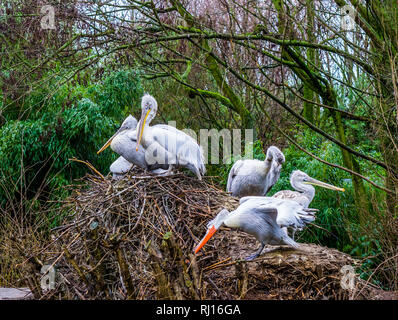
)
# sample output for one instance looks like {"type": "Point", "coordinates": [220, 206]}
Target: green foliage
{"type": "Point", "coordinates": [338, 216]}
{"type": "Point", "coordinates": [121, 91]}
{"type": "Point", "coordinates": [369, 250]}
{"type": "Point", "coordinates": [74, 122]}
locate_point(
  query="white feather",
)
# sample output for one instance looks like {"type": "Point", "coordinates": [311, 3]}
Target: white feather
{"type": "Point", "coordinates": [165, 144]}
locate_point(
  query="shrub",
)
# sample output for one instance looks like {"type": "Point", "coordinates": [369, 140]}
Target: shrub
{"type": "Point", "coordinates": [74, 122]}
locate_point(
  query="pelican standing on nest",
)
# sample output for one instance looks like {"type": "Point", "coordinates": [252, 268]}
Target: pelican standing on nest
{"type": "Point", "coordinates": [253, 177]}
{"type": "Point", "coordinates": [262, 217]}
{"type": "Point", "coordinates": [305, 192]}
{"type": "Point", "coordinates": [165, 144]}
{"type": "Point", "coordinates": [122, 144]}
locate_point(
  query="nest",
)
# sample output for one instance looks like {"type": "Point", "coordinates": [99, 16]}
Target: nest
{"type": "Point", "coordinates": [134, 239]}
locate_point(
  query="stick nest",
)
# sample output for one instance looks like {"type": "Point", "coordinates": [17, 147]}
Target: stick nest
{"type": "Point", "coordinates": [134, 239]}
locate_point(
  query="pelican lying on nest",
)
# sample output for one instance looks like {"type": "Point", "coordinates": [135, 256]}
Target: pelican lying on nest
{"type": "Point", "coordinates": [153, 147]}
{"type": "Point", "coordinates": [263, 218]}
{"type": "Point", "coordinates": [253, 177]}
{"type": "Point", "coordinates": [165, 144]}
{"type": "Point", "coordinates": [305, 192]}
{"type": "Point", "coordinates": [123, 145]}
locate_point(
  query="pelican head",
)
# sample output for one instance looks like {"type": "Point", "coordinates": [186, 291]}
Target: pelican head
{"type": "Point", "coordinates": [277, 155]}
{"type": "Point", "coordinates": [212, 227]}
{"type": "Point", "coordinates": [129, 123]}
{"type": "Point", "coordinates": [300, 177]}
{"type": "Point", "coordinates": [149, 108]}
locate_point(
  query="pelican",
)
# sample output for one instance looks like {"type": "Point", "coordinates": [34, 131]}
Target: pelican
{"type": "Point", "coordinates": [305, 192]}
{"type": "Point", "coordinates": [263, 218]}
{"type": "Point", "coordinates": [123, 145]}
{"type": "Point", "coordinates": [253, 177]}
{"type": "Point", "coordinates": [165, 144]}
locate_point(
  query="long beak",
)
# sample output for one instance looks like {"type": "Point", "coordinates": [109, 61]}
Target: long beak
{"type": "Point", "coordinates": [141, 129]}
{"type": "Point", "coordinates": [324, 185]}
{"type": "Point", "coordinates": [107, 144]}
{"type": "Point", "coordinates": [206, 238]}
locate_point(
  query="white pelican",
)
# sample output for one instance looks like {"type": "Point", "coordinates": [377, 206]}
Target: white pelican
{"type": "Point", "coordinates": [253, 177]}
{"type": "Point", "coordinates": [165, 144]}
{"type": "Point", "coordinates": [305, 192]}
{"type": "Point", "coordinates": [123, 145]}
{"type": "Point", "coordinates": [120, 167]}
{"type": "Point", "coordinates": [263, 218]}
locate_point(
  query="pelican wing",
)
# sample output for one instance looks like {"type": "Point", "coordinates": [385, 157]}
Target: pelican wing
{"type": "Point", "coordinates": [268, 213]}
{"type": "Point", "coordinates": [166, 127]}
{"type": "Point", "coordinates": [253, 219]}
{"type": "Point", "coordinates": [287, 194]}
{"type": "Point", "coordinates": [296, 196]}
{"type": "Point", "coordinates": [124, 144]}
{"type": "Point", "coordinates": [175, 147]}
{"type": "Point", "coordinates": [290, 213]}
{"type": "Point", "coordinates": [248, 178]}
{"type": "Point", "coordinates": [259, 216]}
{"type": "Point", "coordinates": [244, 199]}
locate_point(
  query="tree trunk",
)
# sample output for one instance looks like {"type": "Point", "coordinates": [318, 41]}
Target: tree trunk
{"type": "Point", "coordinates": [308, 110]}
{"type": "Point", "coordinates": [328, 94]}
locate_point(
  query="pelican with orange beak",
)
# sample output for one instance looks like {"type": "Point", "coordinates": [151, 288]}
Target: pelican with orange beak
{"type": "Point", "coordinates": [166, 145]}
{"type": "Point", "coordinates": [260, 217]}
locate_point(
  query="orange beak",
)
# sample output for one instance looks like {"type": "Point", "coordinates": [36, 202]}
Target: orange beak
{"type": "Point", "coordinates": [206, 238]}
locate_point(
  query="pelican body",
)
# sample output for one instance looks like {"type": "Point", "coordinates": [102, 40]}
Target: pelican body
{"type": "Point", "coordinates": [291, 214]}
{"type": "Point", "coordinates": [165, 144]}
{"type": "Point", "coordinates": [305, 192]}
{"type": "Point", "coordinates": [263, 218]}
{"type": "Point", "coordinates": [253, 177]}
{"type": "Point", "coordinates": [123, 144]}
